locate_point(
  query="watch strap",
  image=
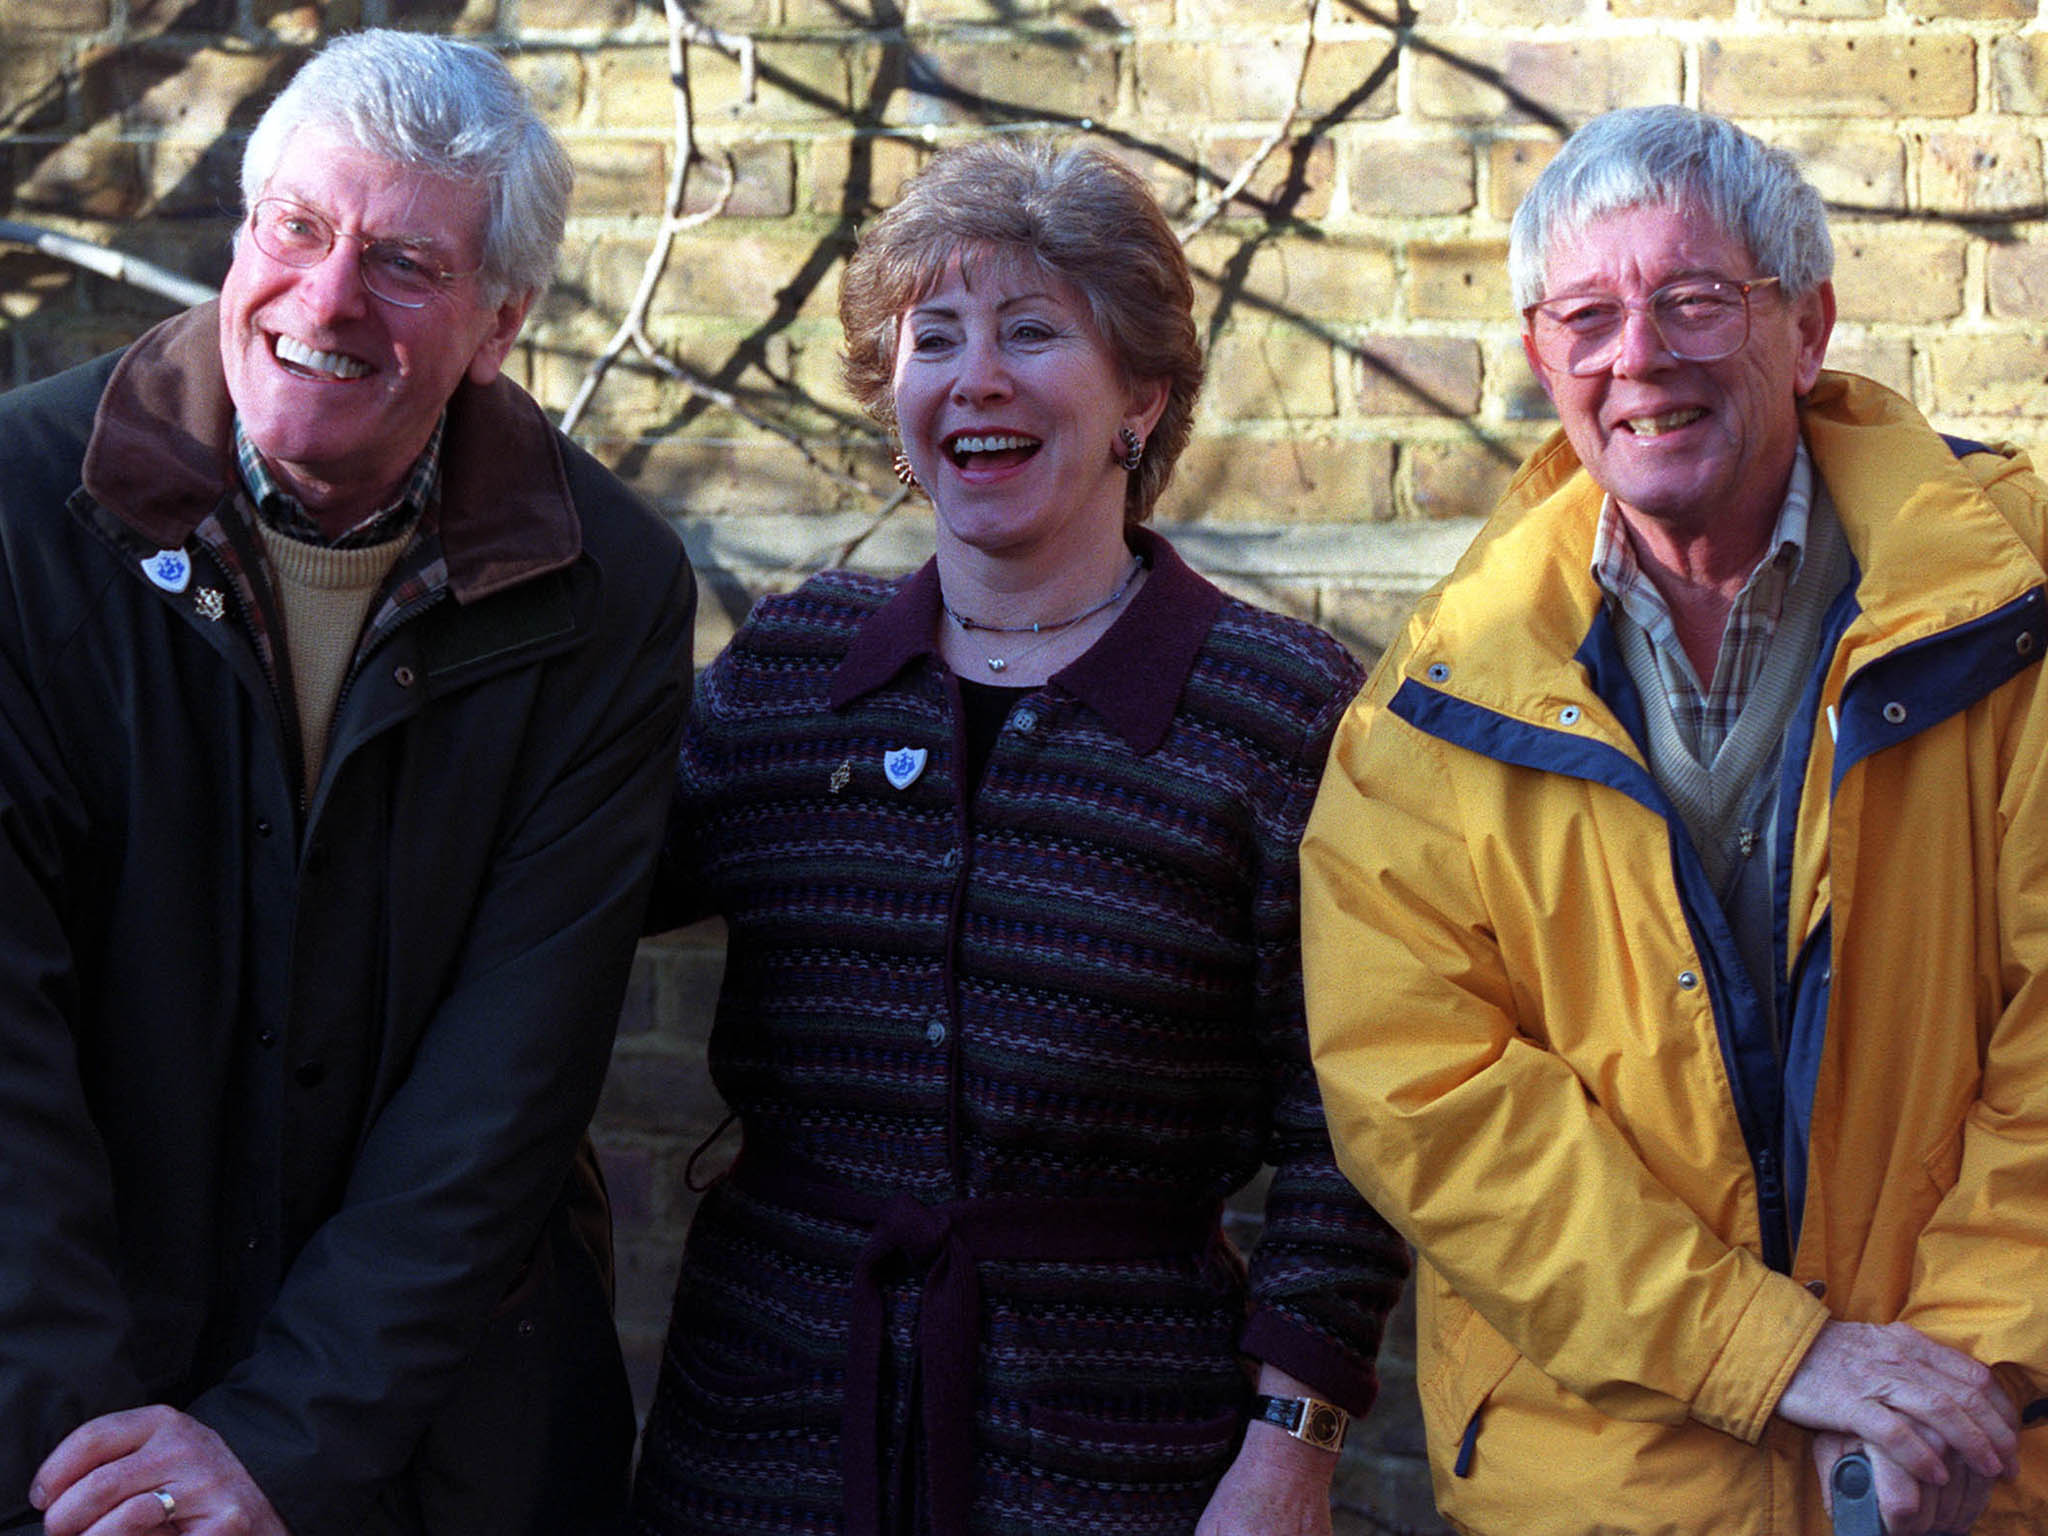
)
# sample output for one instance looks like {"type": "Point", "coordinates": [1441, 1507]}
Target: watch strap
{"type": "Point", "coordinates": [1309, 1419]}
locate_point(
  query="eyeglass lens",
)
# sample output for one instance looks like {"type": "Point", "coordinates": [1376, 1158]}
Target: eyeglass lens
{"type": "Point", "coordinates": [299, 237]}
{"type": "Point", "coordinates": [1699, 322]}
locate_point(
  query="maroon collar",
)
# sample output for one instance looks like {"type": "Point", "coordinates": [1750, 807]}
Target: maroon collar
{"type": "Point", "coordinates": [162, 459]}
{"type": "Point", "coordinates": [1165, 624]}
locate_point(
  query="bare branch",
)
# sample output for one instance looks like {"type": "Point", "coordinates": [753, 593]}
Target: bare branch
{"type": "Point", "coordinates": [1212, 209]}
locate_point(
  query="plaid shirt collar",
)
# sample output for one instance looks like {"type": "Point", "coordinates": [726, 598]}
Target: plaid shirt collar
{"type": "Point", "coordinates": [286, 514]}
{"type": "Point", "coordinates": [1705, 715]}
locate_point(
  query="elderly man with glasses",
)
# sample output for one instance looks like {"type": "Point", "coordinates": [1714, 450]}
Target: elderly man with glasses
{"type": "Point", "coordinates": [340, 694]}
{"type": "Point", "coordinates": [1676, 908]}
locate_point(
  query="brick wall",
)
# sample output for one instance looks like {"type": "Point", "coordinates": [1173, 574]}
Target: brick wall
{"type": "Point", "coordinates": [1369, 396]}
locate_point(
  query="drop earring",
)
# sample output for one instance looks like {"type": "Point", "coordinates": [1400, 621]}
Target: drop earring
{"type": "Point", "coordinates": [905, 475]}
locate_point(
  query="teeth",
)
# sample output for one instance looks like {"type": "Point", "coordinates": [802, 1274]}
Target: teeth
{"type": "Point", "coordinates": [297, 353]}
{"type": "Point", "coordinates": [1652, 426]}
{"type": "Point", "coordinates": [994, 442]}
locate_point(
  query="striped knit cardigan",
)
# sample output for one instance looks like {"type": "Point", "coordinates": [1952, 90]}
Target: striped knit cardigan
{"type": "Point", "coordinates": [1084, 985]}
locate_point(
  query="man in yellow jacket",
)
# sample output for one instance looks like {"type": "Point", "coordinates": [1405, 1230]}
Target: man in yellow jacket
{"type": "Point", "coordinates": [1676, 909]}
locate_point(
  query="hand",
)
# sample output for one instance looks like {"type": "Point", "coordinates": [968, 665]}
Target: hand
{"type": "Point", "coordinates": [1278, 1485]}
{"type": "Point", "coordinates": [1908, 1508]}
{"type": "Point", "coordinates": [1924, 1406]}
{"type": "Point", "coordinates": [102, 1480]}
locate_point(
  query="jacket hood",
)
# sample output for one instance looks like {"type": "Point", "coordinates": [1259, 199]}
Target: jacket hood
{"type": "Point", "coordinates": [161, 459]}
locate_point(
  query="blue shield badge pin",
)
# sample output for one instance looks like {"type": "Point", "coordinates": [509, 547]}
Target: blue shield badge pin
{"type": "Point", "coordinates": [169, 569]}
{"type": "Point", "coordinates": [902, 765]}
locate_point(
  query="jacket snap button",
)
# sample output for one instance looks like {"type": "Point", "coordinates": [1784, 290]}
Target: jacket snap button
{"type": "Point", "coordinates": [263, 826]}
{"type": "Point", "coordinates": [525, 1328]}
{"type": "Point", "coordinates": [2025, 643]}
{"type": "Point", "coordinates": [1817, 1287]}
{"type": "Point", "coordinates": [1688, 980]}
{"type": "Point", "coordinates": [1569, 715]}
{"type": "Point", "coordinates": [1439, 673]}
{"type": "Point", "coordinates": [935, 1032]}
{"type": "Point", "coordinates": [403, 676]}
{"type": "Point", "coordinates": [1895, 713]}
{"type": "Point", "coordinates": [309, 1074]}
{"type": "Point", "coordinates": [268, 1037]}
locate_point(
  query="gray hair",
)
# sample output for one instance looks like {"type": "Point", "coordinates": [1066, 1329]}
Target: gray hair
{"type": "Point", "coordinates": [448, 108]}
{"type": "Point", "coordinates": [1677, 158]}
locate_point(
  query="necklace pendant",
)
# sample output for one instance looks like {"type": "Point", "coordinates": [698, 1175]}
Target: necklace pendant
{"type": "Point", "coordinates": [996, 664]}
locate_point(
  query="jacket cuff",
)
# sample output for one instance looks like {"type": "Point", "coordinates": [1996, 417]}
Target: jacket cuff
{"type": "Point", "coordinates": [1770, 1339]}
{"type": "Point", "coordinates": [1332, 1372]}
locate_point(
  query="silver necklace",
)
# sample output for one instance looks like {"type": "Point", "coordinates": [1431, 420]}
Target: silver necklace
{"type": "Point", "coordinates": [1049, 628]}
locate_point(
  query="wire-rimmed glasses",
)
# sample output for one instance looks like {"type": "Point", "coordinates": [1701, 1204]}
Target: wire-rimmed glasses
{"type": "Point", "coordinates": [396, 271]}
{"type": "Point", "coordinates": [1698, 319]}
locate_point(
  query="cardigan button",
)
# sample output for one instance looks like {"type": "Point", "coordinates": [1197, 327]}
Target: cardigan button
{"type": "Point", "coordinates": [1026, 720]}
{"type": "Point", "coordinates": [935, 1033]}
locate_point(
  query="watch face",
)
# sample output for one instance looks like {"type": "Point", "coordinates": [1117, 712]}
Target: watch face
{"type": "Point", "coordinates": [1322, 1425]}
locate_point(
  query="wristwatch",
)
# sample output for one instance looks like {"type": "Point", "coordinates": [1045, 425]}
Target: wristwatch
{"type": "Point", "coordinates": [1309, 1419]}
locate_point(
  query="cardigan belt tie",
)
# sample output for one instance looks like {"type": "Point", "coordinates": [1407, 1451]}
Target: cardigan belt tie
{"type": "Point", "coordinates": [943, 1245]}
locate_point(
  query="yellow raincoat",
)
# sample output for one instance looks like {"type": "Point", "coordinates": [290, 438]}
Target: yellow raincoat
{"type": "Point", "coordinates": [1542, 1060]}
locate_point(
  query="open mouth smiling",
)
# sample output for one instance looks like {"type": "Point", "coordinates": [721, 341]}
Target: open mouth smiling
{"type": "Point", "coordinates": [299, 357]}
{"type": "Point", "coordinates": [1669, 421]}
{"type": "Point", "coordinates": [990, 450]}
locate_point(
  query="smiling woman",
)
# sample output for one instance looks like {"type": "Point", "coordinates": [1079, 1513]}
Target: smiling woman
{"type": "Point", "coordinates": [1006, 851]}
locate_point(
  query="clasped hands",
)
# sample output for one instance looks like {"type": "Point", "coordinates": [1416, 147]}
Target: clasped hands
{"type": "Point", "coordinates": [104, 1480]}
{"type": "Point", "coordinates": [1938, 1428]}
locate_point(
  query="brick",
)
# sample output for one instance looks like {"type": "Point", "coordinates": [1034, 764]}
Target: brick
{"type": "Point", "coordinates": [1486, 81]}
{"type": "Point", "coordinates": [1319, 278]}
{"type": "Point", "coordinates": [1007, 77]}
{"type": "Point", "coordinates": [855, 177]}
{"type": "Point", "coordinates": [34, 84]}
{"type": "Point", "coordinates": [1972, 10]}
{"type": "Point", "coordinates": [2019, 74]}
{"type": "Point", "coordinates": [1834, 75]}
{"type": "Point", "coordinates": [1201, 15]}
{"type": "Point", "coordinates": [798, 81]}
{"type": "Point", "coordinates": [618, 176]}
{"type": "Point", "coordinates": [1406, 177]}
{"type": "Point", "coordinates": [763, 180]}
{"type": "Point", "coordinates": [1168, 164]}
{"type": "Point", "coordinates": [1415, 376]}
{"type": "Point", "coordinates": [196, 181]}
{"type": "Point", "coordinates": [1351, 82]}
{"type": "Point", "coordinates": [703, 477]}
{"type": "Point", "coordinates": [1512, 166]}
{"type": "Point", "coordinates": [1996, 171]}
{"type": "Point", "coordinates": [94, 176]}
{"type": "Point", "coordinates": [58, 16]}
{"type": "Point", "coordinates": [1293, 480]}
{"type": "Point", "coordinates": [629, 1180]}
{"type": "Point", "coordinates": [1294, 182]}
{"type": "Point", "coordinates": [574, 15]}
{"type": "Point", "coordinates": [1827, 10]}
{"type": "Point", "coordinates": [1860, 170]}
{"type": "Point", "coordinates": [1367, 622]}
{"type": "Point", "coordinates": [1523, 13]}
{"type": "Point", "coordinates": [1265, 370]}
{"type": "Point", "coordinates": [1913, 280]}
{"type": "Point", "coordinates": [459, 18]}
{"type": "Point", "coordinates": [1460, 280]}
{"type": "Point", "coordinates": [1676, 10]}
{"type": "Point", "coordinates": [554, 80]}
{"type": "Point", "coordinates": [1887, 359]}
{"type": "Point", "coordinates": [1236, 80]}
{"type": "Point", "coordinates": [1988, 375]}
{"type": "Point", "coordinates": [198, 95]}
{"type": "Point", "coordinates": [662, 1090]}
{"type": "Point", "coordinates": [1457, 480]}
{"type": "Point", "coordinates": [2016, 281]}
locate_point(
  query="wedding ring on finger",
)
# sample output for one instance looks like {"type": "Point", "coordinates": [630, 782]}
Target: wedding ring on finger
{"type": "Point", "coordinates": [170, 1505]}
